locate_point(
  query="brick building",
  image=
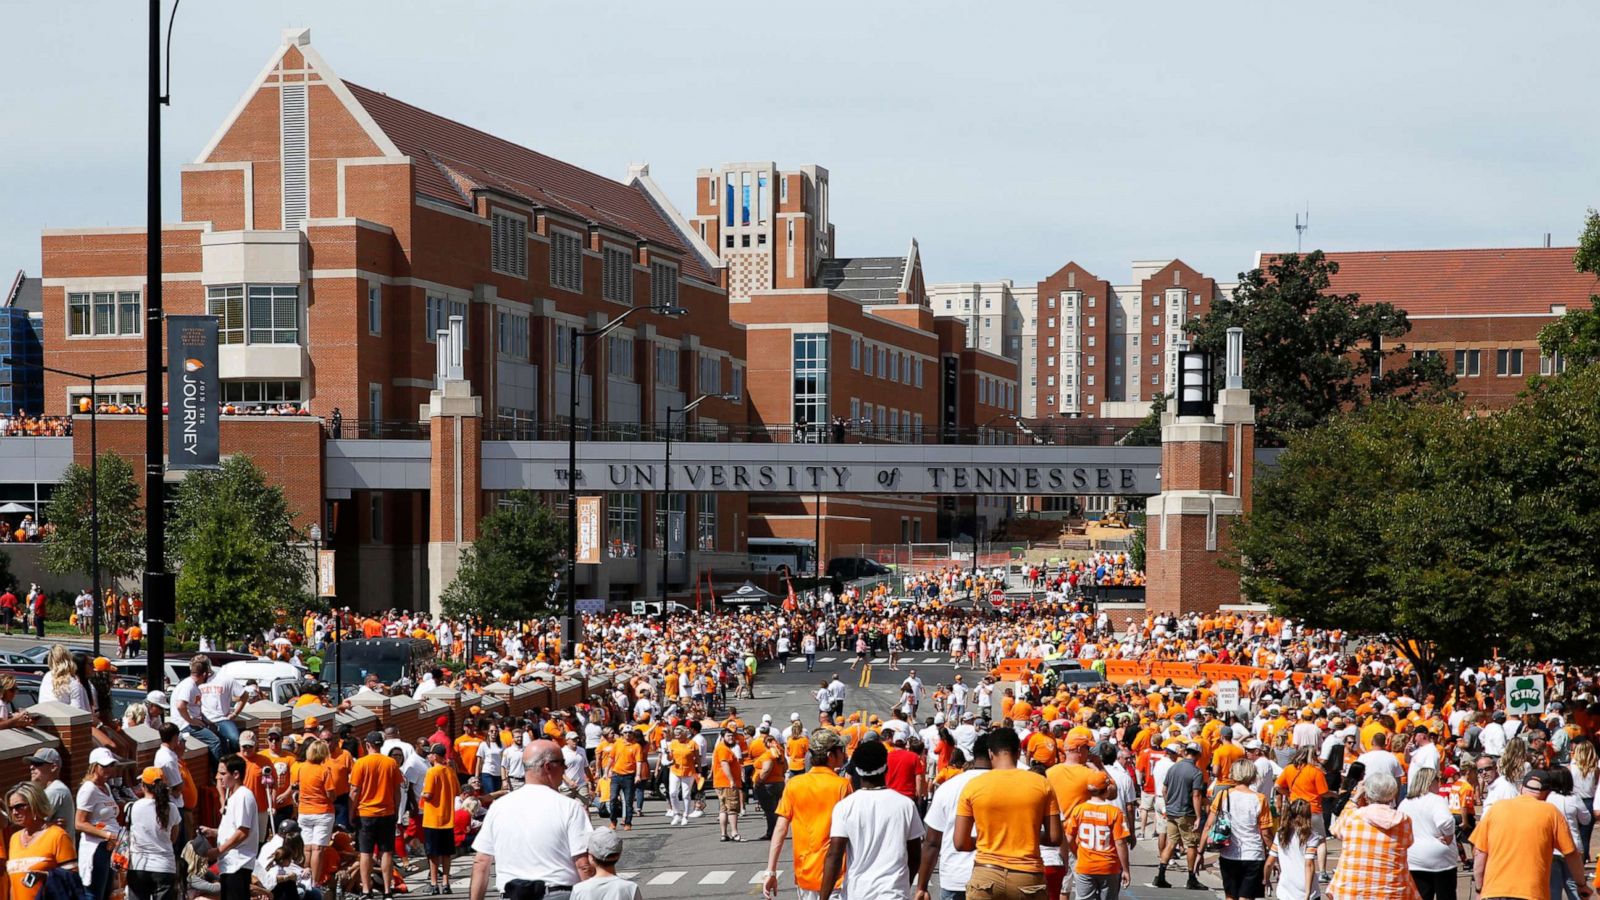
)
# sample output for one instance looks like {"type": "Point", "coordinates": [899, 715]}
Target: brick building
{"type": "Point", "coordinates": [336, 231]}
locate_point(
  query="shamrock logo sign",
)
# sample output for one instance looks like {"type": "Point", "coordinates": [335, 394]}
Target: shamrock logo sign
{"type": "Point", "coordinates": [1526, 695]}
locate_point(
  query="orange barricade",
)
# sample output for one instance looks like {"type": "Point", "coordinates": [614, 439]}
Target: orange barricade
{"type": "Point", "coordinates": [1016, 669]}
{"type": "Point", "coordinates": [1180, 674]}
{"type": "Point", "coordinates": [1227, 672]}
{"type": "Point", "coordinates": [1122, 671]}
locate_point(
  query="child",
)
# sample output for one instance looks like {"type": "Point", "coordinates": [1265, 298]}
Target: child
{"type": "Point", "coordinates": [605, 849]}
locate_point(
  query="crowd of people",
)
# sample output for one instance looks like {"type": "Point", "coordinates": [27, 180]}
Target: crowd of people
{"type": "Point", "coordinates": [1016, 786]}
{"type": "Point", "coordinates": [24, 425]}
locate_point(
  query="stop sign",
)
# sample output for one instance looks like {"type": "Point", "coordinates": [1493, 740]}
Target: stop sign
{"type": "Point", "coordinates": [998, 598]}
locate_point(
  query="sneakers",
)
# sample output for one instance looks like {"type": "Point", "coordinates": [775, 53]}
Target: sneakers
{"type": "Point", "coordinates": [1160, 881]}
{"type": "Point", "coordinates": [1194, 884]}
{"type": "Point", "coordinates": [695, 814]}
{"type": "Point", "coordinates": [678, 820]}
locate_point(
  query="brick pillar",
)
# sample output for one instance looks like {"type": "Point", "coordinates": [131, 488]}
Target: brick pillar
{"type": "Point", "coordinates": [455, 427]}
{"type": "Point", "coordinates": [1206, 469]}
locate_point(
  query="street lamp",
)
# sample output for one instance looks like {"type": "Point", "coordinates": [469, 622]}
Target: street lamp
{"type": "Point", "coordinates": [94, 476]}
{"type": "Point", "coordinates": [574, 633]}
{"type": "Point", "coordinates": [666, 516]}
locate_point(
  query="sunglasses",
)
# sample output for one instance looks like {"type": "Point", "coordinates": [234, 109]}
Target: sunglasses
{"type": "Point", "coordinates": [20, 807]}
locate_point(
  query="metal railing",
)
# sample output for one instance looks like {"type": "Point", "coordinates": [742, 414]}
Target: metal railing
{"type": "Point", "coordinates": [1073, 434]}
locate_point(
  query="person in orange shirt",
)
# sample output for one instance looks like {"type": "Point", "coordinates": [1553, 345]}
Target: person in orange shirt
{"type": "Point", "coordinates": [439, 789]}
{"type": "Point", "coordinates": [627, 766]}
{"type": "Point", "coordinates": [727, 776]}
{"type": "Point", "coordinates": [314, 780]}
{"type": "Point", "coordinates": [1097, 832]}
{"type": "Point", "coordinates": [796, 748]}
{"type": "Point", "coordinates": [375, 790]}
{"type": "Point", "coordinates": [806, 811]}
{"type": "Point", "coordinates": [768, 769]}
{"type": "Point", "coordinates": [685, 766]}
{"type": "Point", "coordinates": [467, 746]}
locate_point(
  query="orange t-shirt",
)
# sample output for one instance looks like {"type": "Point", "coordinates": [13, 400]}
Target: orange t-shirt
{"type": "Point", "coordinates": [1519, 835]}
{"type": "Point", "coordinates": [375, 785]}
{"type": "Point", "coordinates": [339, 762]}
{"type": "Point", "coordinates": [439, 789]}
{"type": "Point", "coordinates": [807, 802]}
{"type": "Point", "coordinates": [1223, 758]}
{"type": "Point", "coordinates": [797, 748]}
{"type": "Point", "coordinates": [467, 751]}
{"type": "Point", "coordinates": [50, 849]}
{"type": "Point", "coordinates": [315, 781]}
{"type": "Point", "coordinates": [1007, 806]}
{"type": "Point", "coordinates": [685, 758]}
{"type": "Point", "coordinates": [719, 772]}
{"type": "Point", "coordinates": [1094, 829]}
{"type": "Point", "coordinates": [1305, 783]}
{"type": "Point", "coordinates": [1070, 781]}
{"type": "Point", "coordinates": [625, 758]}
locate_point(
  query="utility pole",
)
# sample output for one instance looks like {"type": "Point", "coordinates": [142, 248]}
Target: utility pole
{"type": "Point", "coordinates": [159, 602]}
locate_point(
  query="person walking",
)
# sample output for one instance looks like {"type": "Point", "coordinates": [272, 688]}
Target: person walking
{"type": "Point", "coordinates": [1243, 859]}
{"type": "Point", "coordinates": [878, 829]}
{"type": "Point", "coordinates": [37, 845]}
{"type": "Point", "coordinates": [1558, 783]}
{"type": "Point", "coordinates": [99, 832]}
{"type": "Point", "coordinates": [1096, 834]}
{"type": "Point", "coordinates": [627, 764]}
{"type": "Point", "coordinates": [727, 777]}
{"type": "Point", "coordinates": [1001, 817]}
{"type": "Point", "coordinates": [1182, 799]}
{"type": "Point", "coordinates": [153, 822]}
{"type": "Point", "coordinates": [1374, 839]}
{"type": "Point", "coordinates": [1292, 861]}
{"type": "Point", "coordinates": [806, 810]}
{"type": "Point", "coordinates": [1433, 855]}
{"type": "Point", "coordinates": [314, 781]}
{"type": "Point", "coordinates": [681, 771]}
{"type": "Point", "coordinates": [439, 790]}
{"type": "Point", "coordinates": [375, 789]}
{"type": "Point", "coordinates": [236, 838]}
{"type": "Point", "coordinates": [1516, 841]}
{"type": "Point", "coordinates": [534, 833]}
{"type": "Point", "coordinates": [770, 766]}
{"type": "Point", "coordinates": [955, 866]}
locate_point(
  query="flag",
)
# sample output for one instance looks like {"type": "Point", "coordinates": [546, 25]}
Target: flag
{"type": "Point", "coordinates": [697, 593]}
{"type": "Point", "coordinates": [790, 604]}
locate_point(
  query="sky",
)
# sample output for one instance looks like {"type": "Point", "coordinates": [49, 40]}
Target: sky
{"type": "Point", "coordinates": [1007, 138]}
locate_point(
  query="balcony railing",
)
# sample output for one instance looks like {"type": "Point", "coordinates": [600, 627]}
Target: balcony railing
{"type": "Point", "coordinates": [1076, 434]}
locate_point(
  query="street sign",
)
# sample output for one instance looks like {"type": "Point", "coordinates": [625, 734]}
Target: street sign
{"type": "Point", "coordinates": [638, 608]}
{"type": "Point", "coordinates": [1228, 697]}
{"type": "Point", "coordinates": [325, 574]}
{"type": "Point", "coordinates": [998, 598]}
{"type": "Point", "coordinates": [589, 530]}
{"type": "Point", "coordinates": [1525, 695]}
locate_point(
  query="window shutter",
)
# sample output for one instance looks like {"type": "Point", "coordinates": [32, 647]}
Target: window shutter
{"type": "Point", "coordinates": [293, 134]}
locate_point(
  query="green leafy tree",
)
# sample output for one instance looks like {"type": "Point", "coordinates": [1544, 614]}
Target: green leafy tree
{"type": "Point", "coordinates": [1576, 335]}
{"type": "Point", "coordinates": [1309, 352]}
{"type": "Point", "coordinates": [1148, 432]}
{"type": "Point", "coordinates": [68, 549]}
{"type": "Point", "coordinates": [506, 574]}
{"type": "Point", "coordinates": [240, 556]}
{"type": "Point", "coordinates": [1451, 533]}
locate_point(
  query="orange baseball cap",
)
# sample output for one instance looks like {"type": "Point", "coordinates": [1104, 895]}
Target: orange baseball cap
{"type": "Point", "coordinates": [101, 664]}
{"type": "Point", "coordinates": [1098, 781]}
{"type": "Point", "coordinates": [152, 775]}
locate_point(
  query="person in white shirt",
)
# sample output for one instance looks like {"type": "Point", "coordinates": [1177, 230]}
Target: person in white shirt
{"type": "Point", "coordinates": [1433, 855]}
{"type": "Point", "coordinates": [153, 822]}
{"type": "Point", "coordinates": [1492, 786]}
{"type": "Point", "coordinates": [534, 833]}
{"type": "Point", "coordinates": [511, 761]}
{"type": "Point", "coordinates": [235, 839]}
{"type": "Point", "coordinates": [1494, 736]}
{"type": "Point", "coordinates": [880, 830]}
{"type": "Point", "coordinates": [1424, 755]}
{"type": "Point", "coordinates": [836, 693]}
{"type": "Point", "coordinates": [221, 700]}
{"type": "Point", "coordinates": [955, 866]}
{"type": "Point", "coordinates": [1379, 759]}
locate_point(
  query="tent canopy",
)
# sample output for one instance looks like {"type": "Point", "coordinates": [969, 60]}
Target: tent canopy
{"type": "Point", "coordinates": [749, 592]}
{"type": "Point", "coordinates": [14, 508]}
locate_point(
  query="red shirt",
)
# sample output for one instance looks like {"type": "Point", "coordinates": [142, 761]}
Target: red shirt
{"type": "Point", "coordinates": [8, 600]}
{"type": "Point", "coordinates": [902, 775]}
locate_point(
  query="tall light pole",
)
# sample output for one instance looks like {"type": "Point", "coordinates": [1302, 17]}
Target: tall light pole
{"type": "Point", "coordinates": [94, 477]}
{"type": "Point", "coordinates": [666, 515]}
{"type": "Point", "coordinates": [574, 632]}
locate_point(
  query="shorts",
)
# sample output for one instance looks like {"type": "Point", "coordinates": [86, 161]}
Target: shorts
{"type": "Point", "coordinates": [1242, 878]}
{"type": "Point", "coordinates": [730, 798]}
{"type": "Point", "coordinates": [375, 834]}
{"type": "Point", "coordinates": [1147, 801]}
{"type": "Point", "coordinates": [994, 881]}
{"type": "Point", "coordinates": [1096, 887]}
{"type": "Point", "coordinates": [1184, 830]}
{"type": "Point", "coordinates": [316, 829]}
{"type": "Point", "coordinates": [439, 841]}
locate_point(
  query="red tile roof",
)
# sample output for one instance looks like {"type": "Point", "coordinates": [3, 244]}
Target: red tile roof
{"type": "Point", "coordinates": [1518, 280]}
{"type": "Point", "coordinates": [452, 158]}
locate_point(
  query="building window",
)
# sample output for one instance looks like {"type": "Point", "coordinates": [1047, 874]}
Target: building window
{"type": "Point", "coordinates": [1467, 362]}
{"type": "Point", "coordinates": [810, 379]}
{"type": "Point", "coordinates": [619, 352]}
{"type": "Point", "coordinates": [260, 393]}
{"type": "Point", "coordinates": [374, 407]}
{"type": "Point", "coordinates": [1050, 302]}
{"type": "Point", "coordinates": [883, 362]}
{"type": "Point", "coordinates": [508, 244]}
{"type": "Point", "coordinates": [513, 334]}
{"type": "Point", "coordinates": [1049, 381]}
{"type": "Point", "coordinates": [663, 284]}
{"type": "Point", "coordinates": [855, 409]}
{"type": "Point", "coordinates": [375, 516]}
{"type": "Point", "coordinates": [894, 367]}
{"type": "Point", "coordinates": [1051, 322]}
{"type": "Point", "coordinates": [1089, 400]}
{"type": "Point", "coordinates": [916, 371]}
{"type": "Point", "coordinates": [1050, 340]}
{"type": "Point", "coordinates": [855, 352]}
{"type": "Point", "coordinates": [736, 391]}
{"type": "Point", "coordinates": [622, 526]}
{"type": "Point", "coordinates": [1550, 365]}
{"type": "Point", "coordinates": [1088, 322]}
{"type": "Point", "coordinates": [1091, 340]}
{"type": "Point", "coordinates": [439, 312]}
{"type": "Point", "coordinates": [667, 366]}
{"type": "Point", "coordinates": [872, 356]}
{"type": "Point", "coordinates": [1155, 380]}
{"type": "Point", "coordinates": [1092, 302]}
{"type": "Point", "coordinates": [616, 274]}
{"type": "Point", "coordinates": [1508, 362]}
{"type": "Point", "coordinates": [566, 260]}
{"type": "Point", "coordinates": [563, 348]}
{"type": "Point", "coordinates": [1089, 379]}
{"type": "Point", "coordinates": [710, 375]}
{"type": "Point", "coordinates": [374, 309]}
{"type": "Point", "coordinates": [256, 313]}
{"type": "Point", "coordinates": [705, 531]}
{"type": "Point", "coordinates": [105, 314]}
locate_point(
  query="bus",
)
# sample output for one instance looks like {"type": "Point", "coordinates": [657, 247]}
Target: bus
{"type": "Point", "coordinates": [766, 554]}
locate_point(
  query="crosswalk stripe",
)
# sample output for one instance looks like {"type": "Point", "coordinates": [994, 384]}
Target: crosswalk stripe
{"type": "Point", "coordinates": [829, 659]}
{"type": "Point", "coordinates": [881, 659]}
{"type": "Point", "coordinates": [667, 878]}
{"type": "Point", "coordinates": [718, 877]}
{"type": "Point", "coordinates": [931, 659]}
{"type": "Point", "coordinates": [759, 877]}
{"type": "Point", "coordinates": [627, 874]}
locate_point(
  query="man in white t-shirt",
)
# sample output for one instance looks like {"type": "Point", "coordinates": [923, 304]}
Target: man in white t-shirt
{"type": "Point", "coordinates": [879, 829]}
{"type": "Point", "coordinates": [1425, 755]}
{"type": "Point", "coordinates": [534, 833]}
{"type": "Point", "coordinates": [221, 700]}
{"type": "Point", "coordinates": [189, 711]}
{"type": "Point", "coordinates": [235, 838]}
{"type": "Point", "coordinates": [955, 866]}
{"type": "Point", "coordinates": [1379, 759]}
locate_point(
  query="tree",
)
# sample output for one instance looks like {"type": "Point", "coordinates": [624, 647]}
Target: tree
{"type": "Point", "coordinates": [1451, 533]}
{"type": "Point", "coordinates": [1576, 335]}
{"type": "Point", "coordinates": [69, 548]}
{"type": "Point", "coordinates": [506, 575]}
{"type": "Point", "coordinates": [1148, 432]}
{"type": "Point", "coordinates": [1310, 353]}
{"type": "Point", "coordinates": [237, 533]}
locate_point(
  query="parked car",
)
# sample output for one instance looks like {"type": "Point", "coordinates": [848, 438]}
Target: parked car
{"type": "Point", "coordinates": [850, 568]}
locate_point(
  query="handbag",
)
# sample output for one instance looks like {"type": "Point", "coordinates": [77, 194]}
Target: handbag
{"type": "Point", "coordinates": [1221, 833]}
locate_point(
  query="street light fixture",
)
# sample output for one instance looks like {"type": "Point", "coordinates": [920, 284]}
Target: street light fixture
{"type": "Point", "coordinates": [94, 476]}
{"type": "Point", "coordinates": [574, 633]}
{"type": "Point", "coordinates": [666, 516]}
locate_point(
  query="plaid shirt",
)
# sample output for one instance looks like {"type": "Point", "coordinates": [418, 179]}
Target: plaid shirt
{"type": "Point", "coordinates": [1372, 862]}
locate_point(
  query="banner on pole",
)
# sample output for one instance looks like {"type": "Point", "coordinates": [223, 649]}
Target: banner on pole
{"type": "Point", "coordinates": [1525, 695]}
{"type": "Point", "coordinates": [589, 530]}
{"type": "Point", "coordinates": [675, 533]}
{"type": "Point", "coordinates": [325, 586]}
{"type": "Point", "coordinates": [194, 393]}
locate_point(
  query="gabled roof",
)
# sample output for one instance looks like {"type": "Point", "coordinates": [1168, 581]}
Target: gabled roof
{"type": "Point", "coordinates": [452, 158]}
{"type": "Point", "coordinates": [1510, 281]}
{"type": "Point", "coordinates": [866, 279]}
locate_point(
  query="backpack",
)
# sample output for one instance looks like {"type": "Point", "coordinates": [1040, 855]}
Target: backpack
{"type": "Point", "coordinates": [1221, 833]}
